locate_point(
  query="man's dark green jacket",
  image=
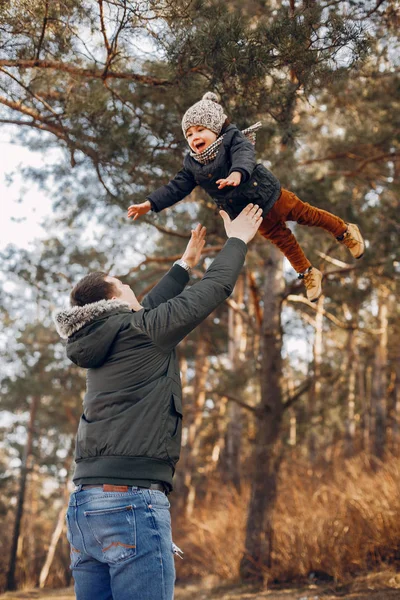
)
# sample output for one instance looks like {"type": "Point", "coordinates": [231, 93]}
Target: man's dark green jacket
{"type": "Point", "coordinates": [131, 424]}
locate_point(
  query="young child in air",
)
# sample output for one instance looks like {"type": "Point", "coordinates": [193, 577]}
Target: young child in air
{"type": "Point", "coordinates": [222, 161]}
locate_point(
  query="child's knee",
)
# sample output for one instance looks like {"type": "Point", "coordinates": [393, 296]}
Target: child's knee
{"type": "Point", "coordinates": [279, 233]}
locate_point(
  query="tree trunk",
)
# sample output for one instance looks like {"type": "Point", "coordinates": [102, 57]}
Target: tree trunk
{"type": "Point", "coordinates": [194, 437]}
{"type": "Point", "coordinates": [370, 416]}
{"type": "Point", "coordinates": [314, 402]}
{"type": "Point", "coordinates": [292, 413]}
{"type": "Point", "coordinates": [218, 447]}
{"type": "Point", "coordinates": [365, 407]}
{"type": "Point", "coordinates": [236, 353]}
{"type": "Point", "coordinates": [293, 427]}
{"type": "Point", "coordinates": [351, 386]}
{"type": "Point", "coordinates": [25, 468]}
{"type": "Point", "coordinates": [379, 379]}
{"type": "Point", "coordinates": [44, 573]}
{"type": "Point", "coordinates": [396, 409]}
{"type": "Point", "coordinates": [265, 462]}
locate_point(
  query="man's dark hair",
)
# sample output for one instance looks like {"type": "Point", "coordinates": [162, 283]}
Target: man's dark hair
{"type": "Point", "coordinates": [92, 288]}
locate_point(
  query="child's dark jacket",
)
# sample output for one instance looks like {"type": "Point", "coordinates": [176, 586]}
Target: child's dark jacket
{"type": "Point", "coordinates": [236, 153]}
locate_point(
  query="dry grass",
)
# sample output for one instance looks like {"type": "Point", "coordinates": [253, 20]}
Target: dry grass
{"type": "Point", "coordinates": [343, 522]}
{"type": "Point", "coordinates": [338, 524]}
{"type": "Point", "coordinates": [35, 594]}
{"type": "Point", "coordinates": [213, 538]}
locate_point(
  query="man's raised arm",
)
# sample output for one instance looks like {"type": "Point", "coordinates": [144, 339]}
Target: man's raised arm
{"type": "Point", "coordinates": [174, 282]}
{"type": "Point", "coordinates": [171, 321]}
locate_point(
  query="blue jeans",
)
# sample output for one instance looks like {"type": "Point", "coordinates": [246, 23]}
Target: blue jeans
{"type": "Point", "coordinates": [121, 544]}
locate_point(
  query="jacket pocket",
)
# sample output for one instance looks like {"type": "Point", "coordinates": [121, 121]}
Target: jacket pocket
{"type": "Point", "coordinates": [174, 428]}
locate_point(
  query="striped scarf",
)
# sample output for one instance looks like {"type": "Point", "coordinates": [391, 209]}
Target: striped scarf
{"type": "Point", "coordinates": [211, 152]}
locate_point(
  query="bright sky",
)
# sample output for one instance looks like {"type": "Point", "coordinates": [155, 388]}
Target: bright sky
{"type": "Point", "coordinates": [20, 221]}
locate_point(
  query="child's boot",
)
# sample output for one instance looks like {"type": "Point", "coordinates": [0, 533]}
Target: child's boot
{"type": "Point", "coordinates": [353, 240]}
{"type": "Point", "coordinates": [312, 280]}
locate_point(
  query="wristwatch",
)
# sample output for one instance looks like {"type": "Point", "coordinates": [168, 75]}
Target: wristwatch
{"type": "Point", "coordinates": [183, 264]}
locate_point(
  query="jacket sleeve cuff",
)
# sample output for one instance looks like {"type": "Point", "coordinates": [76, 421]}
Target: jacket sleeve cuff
{"type": "Point", "coordinates": [245, 174]}
{"type": "Point", "coordinates": [153, 205]}
{"type": "Point", "coordinates": [179, 274]}
{"type": "Point", "coordinates": [234, 241]}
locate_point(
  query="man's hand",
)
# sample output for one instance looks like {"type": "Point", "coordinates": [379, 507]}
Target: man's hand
{"type": "Point", "coordinates": [233, 179]}
{"type": "Point", "coordinates": [137, 210]}
{"type": "Point", "coordinates": [245, 225]}
{"type": "Point", "coordinates": [195, 246]}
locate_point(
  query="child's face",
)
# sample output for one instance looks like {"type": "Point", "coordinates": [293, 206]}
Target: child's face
{"type": "Point", "coordinates": [199, 138]}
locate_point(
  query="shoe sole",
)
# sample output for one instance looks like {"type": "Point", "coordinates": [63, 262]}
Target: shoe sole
{"type": "Point", "coordinates": [358, 257]}
{"type": "Point", "coordinates": [315, 299]}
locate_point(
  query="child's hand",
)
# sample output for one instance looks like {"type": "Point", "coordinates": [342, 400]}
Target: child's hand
{"type": "Point", "coordinates": [137, 210]}
{"type": "Point", "coordinates": [233, 179]}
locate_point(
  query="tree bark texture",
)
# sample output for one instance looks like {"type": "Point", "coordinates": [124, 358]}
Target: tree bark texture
{"type": "Point", "coordinates": [45, 570]}
{"type": "Point", "coordinates": [236, 352]}
{"type": "Point", "coordinates": [25, 468]}
{"type": "Point", "coordinates": [379, 379]}
{"type": "Point", "coordinates": [265, 462]}
{"type": "Point", "coordinates": [194, 436]}
{"type": "Point", "coordinates": [314, 399]}
{"type": "Point", "coordinates": [350, 428]}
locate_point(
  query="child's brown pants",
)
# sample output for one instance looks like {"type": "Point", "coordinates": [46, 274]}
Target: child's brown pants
{"type": "Point", "coordinates": [289, 207]}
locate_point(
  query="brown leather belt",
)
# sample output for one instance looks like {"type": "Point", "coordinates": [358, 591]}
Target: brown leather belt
{"type": "Point", "coordinates": [107, 487]}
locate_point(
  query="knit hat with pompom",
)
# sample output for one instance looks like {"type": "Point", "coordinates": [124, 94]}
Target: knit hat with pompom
{"type": "Point", "coordinates": [207, 113]}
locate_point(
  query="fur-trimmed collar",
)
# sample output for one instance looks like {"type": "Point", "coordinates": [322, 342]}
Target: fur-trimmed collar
{"type": "Point", "coordinates": [70, 320]}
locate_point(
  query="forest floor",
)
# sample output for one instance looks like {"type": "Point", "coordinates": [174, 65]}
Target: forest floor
{"type": "Point", "coordinates": [378, 586]}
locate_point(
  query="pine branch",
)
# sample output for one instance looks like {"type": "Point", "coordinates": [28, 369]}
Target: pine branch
{"type": "Point", "coordinates": [88, 73]}
{"type": "Point", "coordinates": [297, 285]}
{"type": "Point", "coordinates": [333, 261]}
{"type": "Point", "coordinates": [33, 124]}
{"type": "Point", "coordinates": [100, 178]}
{"type": "Point", "coordinates": [162, 229]}
{"type": "Point", "coordinates": [301, 389]}
{"type": "Point", "coordinates": [256, 296]}
{"type": "Point", "coordinates": [46, 13]}
{"type": "Point", "coordinates": [328, 315]}
{"type": "Point", "coordinates": [46, 125]}
{"type": "Point", "coordinates": [236, 400]}
{"type": "Point", "coordinates": [335, 156]}
{"type": "Point", "coordinates": [347, 326]}
{"type": "Point", "coordinates": [104, 33]}
{"type": "Point", "coordinates": [43, 102]}
{"type": "Point", "coordinates": [373, 10]}
{"type": "Point", "coordinates": [365, 162]}
{"type": "Point", "coordinates": [170, 259]}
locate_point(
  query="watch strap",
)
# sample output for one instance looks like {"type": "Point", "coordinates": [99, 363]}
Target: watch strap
{"type": "Point", "coordinates": [183, 264]}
